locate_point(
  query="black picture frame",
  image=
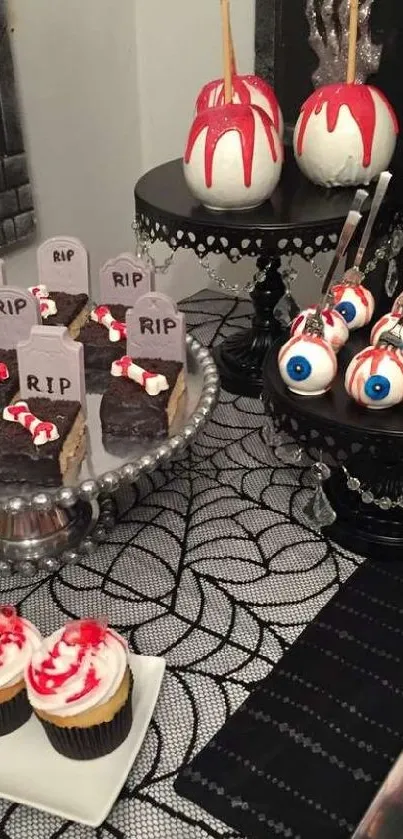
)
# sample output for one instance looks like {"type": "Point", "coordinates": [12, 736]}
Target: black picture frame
{"type": "Point", "coordinates": [17, 217]}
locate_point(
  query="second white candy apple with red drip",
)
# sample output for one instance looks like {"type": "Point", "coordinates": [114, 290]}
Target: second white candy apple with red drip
{"type": "Point", "coordinates": [346, 133]}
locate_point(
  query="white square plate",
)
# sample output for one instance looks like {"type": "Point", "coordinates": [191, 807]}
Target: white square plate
{"type": "Point", "coordinates": [33, 773]}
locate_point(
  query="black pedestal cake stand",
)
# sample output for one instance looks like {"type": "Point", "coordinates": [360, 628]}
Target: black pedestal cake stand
{"type": "Point", "coordinates": [365, 487]}
{"type": "Point", "coordinates": [299, 219]}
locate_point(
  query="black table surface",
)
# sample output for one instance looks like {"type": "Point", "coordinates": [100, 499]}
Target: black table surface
{"type": "Point", "coordinates": [295, 204]}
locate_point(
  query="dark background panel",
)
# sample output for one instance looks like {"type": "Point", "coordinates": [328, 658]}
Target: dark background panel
{"type": "Point", "coordinates": [17, 220]}
{"type": "Point", "coordinates": [285, 59]}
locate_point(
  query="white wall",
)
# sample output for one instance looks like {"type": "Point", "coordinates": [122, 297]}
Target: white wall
{"type": "Point", "coordinates": [77, 77]}
{"type": "Point", "coordinates": [179, 50]}
{"type": "Point", "coordinates": [107, 89]}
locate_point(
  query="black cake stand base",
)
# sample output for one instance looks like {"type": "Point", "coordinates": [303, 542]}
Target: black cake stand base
{"type": "Point", "coordinates": [364, 447]}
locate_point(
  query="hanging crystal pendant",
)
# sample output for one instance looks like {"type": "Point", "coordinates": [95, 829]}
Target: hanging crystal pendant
{"type": "Point", "coordinates": [270, 435]}
{"type": "Point", "coordinates": [392, 278]}
{"type": "Point", "coordinates": [286, 308]}
{"type": "Point", "coordinates": [289, 453]}
{"type": "Point", "coordinates": [318, 510]}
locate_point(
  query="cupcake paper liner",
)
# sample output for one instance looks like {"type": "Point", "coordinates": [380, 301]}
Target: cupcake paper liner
{"type": "Point", "coordinates": [94, 741]}
{"type": "Point", "coordinates": [14, 713]}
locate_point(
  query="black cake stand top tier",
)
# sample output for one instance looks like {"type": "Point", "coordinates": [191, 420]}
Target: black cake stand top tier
{"type": "Point", "coordinates": [333, 422]}
{"type": "Point", "coordinates": [299, 216]}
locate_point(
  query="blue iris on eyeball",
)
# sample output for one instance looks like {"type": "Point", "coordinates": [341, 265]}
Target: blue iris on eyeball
{"type": "Point", "coordinates": [298, 368]}
{"type": "Point", "coordinates": [347, 310]}
{"type": "Point", "coordinates": [377, 388]}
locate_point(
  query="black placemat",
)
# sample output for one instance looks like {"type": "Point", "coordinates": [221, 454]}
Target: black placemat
{"type": "Point", "coordinates": [306, 753]}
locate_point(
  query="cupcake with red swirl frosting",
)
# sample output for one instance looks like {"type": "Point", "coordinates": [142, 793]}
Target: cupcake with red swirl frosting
{"type": "Point", "coordinates": [79, 684]}
{"type": "Point", "coordinates": [18, 640]}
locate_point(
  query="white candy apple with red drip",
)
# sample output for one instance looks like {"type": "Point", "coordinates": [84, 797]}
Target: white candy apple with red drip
{"type": "Point", "coordinates": [335, 330]}
{"type": "Point", "coordinates": [353, 301]}
{"type": "Point", "coordinates": [374, 377]}
{"type": "Point", "coordinates": [388, 321]}
{"type": "Point", "coordinates": [246, 90]}
{"type": "Point", "coordinates": [345, 135]}
{"type": "Point", "coordinates": [233, 158]}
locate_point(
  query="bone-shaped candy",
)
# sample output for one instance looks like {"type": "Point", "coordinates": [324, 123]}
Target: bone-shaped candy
{"type": "Point", "coordinates": [42, 432]}
{"type": "Point", "coordinates": [153, 383]}
{"type": "Point", "coordinates": [47, 307]}
{"type": "Point", "coordinates": [4, 373]}
{"type": "Point", "coordinates": [103, 315]}
{"type": "Point", "coordinates": [39, 290]}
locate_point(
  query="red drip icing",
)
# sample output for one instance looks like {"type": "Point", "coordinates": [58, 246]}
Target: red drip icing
{"type": "Point", "coordinates": [124, 363]}
{"type": "Point", "coordinates": [359, 100]}
{"type": "Point", "coordinates": [4, 372]}
{"type": "Point", "coordinates": [84, 634]}
{"type": "Point", "coordinates": [120, 327]}
{"type": "Point", "coordinates": [11, 629]}
{"type": "Point", "coordinates": [219, 121]}
{"type": "Point", "coordinates": [338, 291]}
{"type": "Point", "coordinates": [101, 311]}
{"type": "Point", "coordinates": [376, 354]}
{"type": "Point", "coordinates": [147, 375]}
{"type": "Point", "coordinates": [241, 88]}
{"type": "Point", "coordinates": [90, 683]}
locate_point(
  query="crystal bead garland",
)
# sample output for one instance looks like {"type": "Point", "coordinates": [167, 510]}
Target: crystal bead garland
{"type": "Point", "coordinates": [234, 288]}
{"type": "Point", "coordinates": [367, 496]}
{"type": "Point", "coordinates": [142, 247]}
{"type": "Point", "coordinates": [286, 309]}
{"type": "Point", "coordinates": [318, 510]}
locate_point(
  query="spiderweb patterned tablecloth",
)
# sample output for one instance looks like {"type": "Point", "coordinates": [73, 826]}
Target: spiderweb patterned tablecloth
{"type": "Point", "coordinates": [213, 566]}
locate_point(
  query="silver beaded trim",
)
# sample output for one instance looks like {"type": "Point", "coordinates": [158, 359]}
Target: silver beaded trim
{"type": "Point", "coordinates": [368, 497]}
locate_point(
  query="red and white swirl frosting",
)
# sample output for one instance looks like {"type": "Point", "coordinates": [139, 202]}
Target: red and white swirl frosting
{"type": "Point", "coordinates": [18, 640]}
{"type": "Point", "coordinates": [76, 669]}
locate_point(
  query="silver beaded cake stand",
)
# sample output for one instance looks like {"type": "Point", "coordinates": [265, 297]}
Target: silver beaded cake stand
{"type": "Point", "coordinates": [41, 529]}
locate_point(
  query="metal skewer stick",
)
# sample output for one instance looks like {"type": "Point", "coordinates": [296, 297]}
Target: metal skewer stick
{"type": "Point", "coordinates": [393, 337]}
{"type": "Point", "coordinates": [380, 192]}
{"type": "Point", "coordinates": [314, 323]}
{"type": "Point", "coordinates": [346, 235]}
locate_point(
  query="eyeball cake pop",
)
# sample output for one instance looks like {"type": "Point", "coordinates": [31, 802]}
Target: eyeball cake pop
{"type": "Point", "coordinates": [389, 321]}
{"type": "Point", "coordinates": [335, 330]}
{"type": "Point", "coordinates": [355, 303]}
{"type": "Point", "coordinates": [233, 158]}
{"type": "Point", "coordinates": [374, 377]}
{"type": "Point", "coordinates": [246, 90]}
{"type": "Point", "coordinates": [307, 364]}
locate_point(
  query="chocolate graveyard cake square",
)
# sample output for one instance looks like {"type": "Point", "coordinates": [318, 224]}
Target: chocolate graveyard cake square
{"type": "Point", "coordinates": [42, 442]}
{"type": "Point", "coordinates": [71, 311]}
{"type": "Point", "coordinates": [102, 344]}
{"type": "Point", "coordinates": [129, 411]}
{"type": "Point", "coordinates": [8, 377]}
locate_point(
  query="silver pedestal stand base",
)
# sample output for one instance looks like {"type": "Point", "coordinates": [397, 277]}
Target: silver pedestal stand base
{"type": "Point", "coordinates": [34, 538]}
